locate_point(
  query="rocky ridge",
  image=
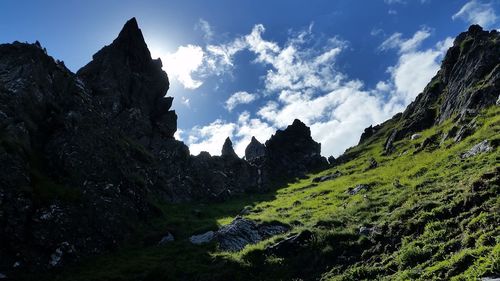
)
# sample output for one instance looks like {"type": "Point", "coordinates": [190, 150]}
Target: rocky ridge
{"type": "Point", "coordinates": [467, 82]}
{"type": "Point", "coordinates": [84, 156]}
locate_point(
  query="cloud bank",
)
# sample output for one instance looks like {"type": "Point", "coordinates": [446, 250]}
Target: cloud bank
{"type": "Point", "coordinates": [302, 81]}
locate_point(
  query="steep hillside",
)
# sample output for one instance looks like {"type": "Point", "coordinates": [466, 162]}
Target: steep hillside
{"type": "Point", "coordinates": [430, 214]}
{"type": "Point", "coordinates": [416, 199]}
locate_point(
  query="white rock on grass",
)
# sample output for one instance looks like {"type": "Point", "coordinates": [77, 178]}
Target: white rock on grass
{"type": "Point", "coordinates": [481, 147]}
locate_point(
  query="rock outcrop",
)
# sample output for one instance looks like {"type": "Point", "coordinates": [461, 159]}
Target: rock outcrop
{"type": "Point", "coordinates": [81, 155]}
{"type": "Point", "coordinates": [292, 152]}
{"type": "Point", "coordinates": [481, 147]}
{"type": "Point", "coordinates": [469, 80]}
{"type": "Point", "coordinates": [239, 233]}
{"type": "Point", "coordinates": [255, 150]}
{"type": "Point", "coordinates": [131, 87]}
{"type": "Point", "coordinates": [227, 150]}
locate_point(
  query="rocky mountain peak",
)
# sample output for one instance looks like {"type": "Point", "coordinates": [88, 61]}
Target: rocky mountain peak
{"type": "Point", "coordinates": [255, 149]}
{"type": "Point", "coordinates": [227, 149]}
{"type": "Point", "coordinates": [131, 42]}
{"type": "Point", "coordinates": [294, 151]}
{"type": "Point", "coordinates": [131, 86]}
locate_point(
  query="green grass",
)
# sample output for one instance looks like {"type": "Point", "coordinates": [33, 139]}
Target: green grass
{"type": "Point", "coordinates": [436, 215]}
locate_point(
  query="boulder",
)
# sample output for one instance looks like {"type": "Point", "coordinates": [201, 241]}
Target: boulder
{"type": "Point", "coordinates": [357, 189]}
{"type": "Point", "coordinates": [241, 232]}
{"type": "Point", "coordinates": [490, 279]}
{"type": "Point", "coordinates": [202, 238]}
{"type": "Point", "coordinates": [236, 235]}
{"type": "Point", "coordinates": [481, 147]}
{"type": "Point", "coordinates": [368, 231]}
{"type": "Point", "coordinates": [327, 177]}
{"type": "Point", "coordinates": [372, 164]}
{"type": "Point", "coordinates": [415, 136]}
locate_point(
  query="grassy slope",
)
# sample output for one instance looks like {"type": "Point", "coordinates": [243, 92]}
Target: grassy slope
{"type": "Point", "coordinates": [431, 223]}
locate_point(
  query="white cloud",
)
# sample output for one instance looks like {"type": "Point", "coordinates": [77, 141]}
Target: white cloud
{"type": "Point", "coordinates": [265, 50]}
{"type": "Point", "coordinates": [395, 41]}
{"type": "Point", "coordinates": [239, 98]}
{"type": "Point", "coordinates": [475, 12]}
{"type": "Point", "coordinates": [178, 134]}
{"type": "Point", "coordinates": [211, 137]}
{"type": "Point", "coordinates": [182, 64]}
{"type": "Point", "coordinates": [205, 27]}
{"type": "Point", "coordinates": [185, 101]}
{"type": "Point", "coordinates": [247, 128]}
{"type": "Point", "coordinates": [415, 68]}
{"type": "Point", "coordinates": [302, 81]}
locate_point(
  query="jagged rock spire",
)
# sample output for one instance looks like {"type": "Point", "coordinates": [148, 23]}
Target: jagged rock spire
{"type": "Point", "coordinates": [254, 150]}
{"type": "Point", "coordinates": [124, 77]}
{"type": "Point", "coordinates": [227, 149]}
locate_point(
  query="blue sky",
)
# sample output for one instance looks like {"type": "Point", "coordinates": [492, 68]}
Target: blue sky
{"type": "Point", "coordinates": [247, 68]}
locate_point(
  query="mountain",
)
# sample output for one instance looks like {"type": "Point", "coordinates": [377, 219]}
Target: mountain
{"type": "Point", "coordinates": [94, 186]}
{"type": "Point", "coordinates": [85, 157]}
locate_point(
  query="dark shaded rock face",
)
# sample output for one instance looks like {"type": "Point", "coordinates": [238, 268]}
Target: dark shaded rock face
{"type": "Point", "coordinates": [227, 149]}
{"type": "Point", "coordinates": [82, 154]}
{"type": "Point", "coordinates": [254, 150]}
{"type": "Point", "coordinates": [367, 133]}
{"type": "Point", "coordinates": [67, 183]}
{"type": "Point", "coordinates": [131, 86]}
{"type": "Point", "coordinates": [469, 80]}
{"type": "Point", "coordinates": [292, 152]}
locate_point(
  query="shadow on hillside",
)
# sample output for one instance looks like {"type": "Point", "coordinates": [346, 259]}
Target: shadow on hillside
{"type": "Point", "coordinates": [142, 258]}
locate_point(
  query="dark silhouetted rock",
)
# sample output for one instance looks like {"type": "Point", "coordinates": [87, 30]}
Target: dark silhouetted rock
{"type": "Point", "coordinates": [292, 152]}
{"type": "Point", "coordinates": [367, 133]}
{"type": "Point", "coordinates": [131, 86]}
{"type": "Point", "coordinates": [291, 245]}
{"type": "Point", "coordinates": [331, 160]}
{"type": "Point", "coordinates": [202, 238]}
{"type": "Point", "coordinates": [254, 150]}
{"type": "Point", "coordinates": [327, 177]}
{"type": "Point", "coordinates": [167, 238]}
{"type": "Point", "coordinates": [227, 149]}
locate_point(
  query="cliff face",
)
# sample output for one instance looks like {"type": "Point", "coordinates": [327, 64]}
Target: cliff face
{"type": "Point", "coordinates": [131, 87]}
{"type": "Point", "coordinates": [467, 81]}
{"type": "Point", "coordinates": [81, 155]}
